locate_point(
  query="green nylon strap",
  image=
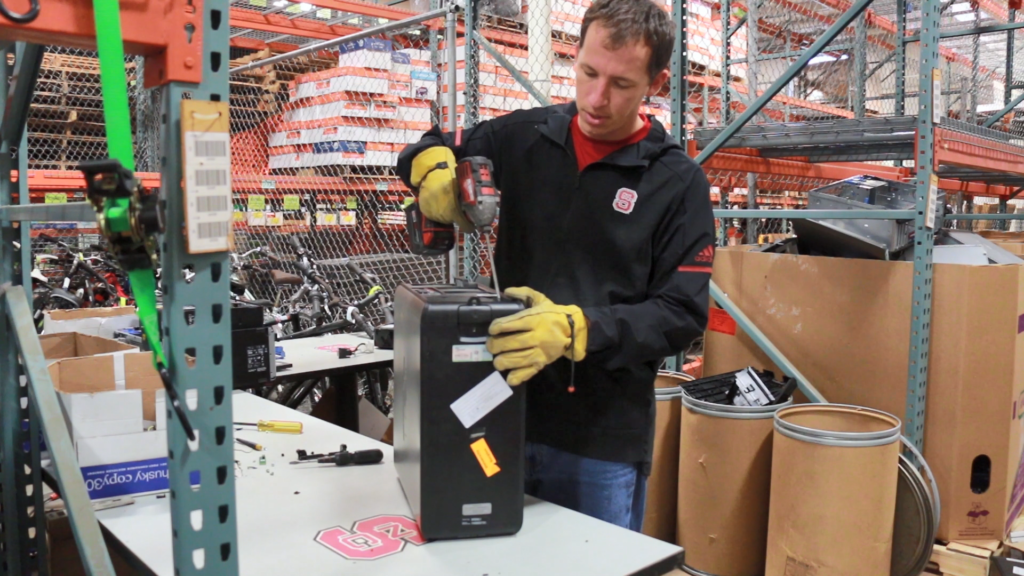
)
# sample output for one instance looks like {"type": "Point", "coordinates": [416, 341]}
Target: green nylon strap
{"type": "Point", "coordinates": [144, 289]}
{"type": "Point", "coordinates": [114, 82]}
{"type": "Point", "coordinates": [117, 117]}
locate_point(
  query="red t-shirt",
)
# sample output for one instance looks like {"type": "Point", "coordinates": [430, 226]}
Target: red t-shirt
{"type": "Point", "coordinates": [589, 150]}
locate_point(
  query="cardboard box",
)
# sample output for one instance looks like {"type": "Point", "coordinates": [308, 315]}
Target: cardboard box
{"type": "Point", "coordinates": [369, 53]}
{"type": "Point", "coordinates": [846, 325]}
{"type": "Point", "coordinates": [101, 322]}
{"type": "Point", "coordinates": [1012, 247]}
{"type": "Point", "coordinates": [107, 419]}
{"type": "Point", "coordinates": [74, 344]}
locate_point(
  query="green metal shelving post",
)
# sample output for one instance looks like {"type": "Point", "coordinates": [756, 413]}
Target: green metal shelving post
{"type": "Point", "coordinates": [471, 264]}
{"type": "Point", "coordinates": [204, 518]}
{"type": "Point", "coordinates": [899, 103]}
{"type": "Point", "coordinates": [680, 69]}
{"type": "Point", "coordinates": [726, 76]}
{"type": "Point", "coordinates": [930, 110]}
{"type": "Point", "coordinates": [22, 533]}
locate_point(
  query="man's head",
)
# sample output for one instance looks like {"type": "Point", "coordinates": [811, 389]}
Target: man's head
{"type": "Point", "coordinates": [624, 50]}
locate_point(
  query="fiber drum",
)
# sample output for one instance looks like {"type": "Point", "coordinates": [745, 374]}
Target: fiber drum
{"type": "Point", "coordinates": [833, 491]}
{"type": "Point", "coordinates": [725, 459]}
{"type": "Point", "coordinates": [663, 483]}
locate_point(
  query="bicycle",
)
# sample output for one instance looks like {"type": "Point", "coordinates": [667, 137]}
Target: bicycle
{"type": "Point", "coordinates": [81, 284]}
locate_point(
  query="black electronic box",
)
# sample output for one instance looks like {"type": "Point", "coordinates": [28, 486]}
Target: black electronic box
{"type": "Point", "coordinates": [461, 481]}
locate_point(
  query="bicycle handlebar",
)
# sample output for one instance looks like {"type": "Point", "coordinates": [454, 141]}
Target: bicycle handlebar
{"type": "Point", "coordinates": [317, 330]}
{"type": "Point", "coordinates": [367, 278]}
{"type": "Point", "coordinates": [361, 322]}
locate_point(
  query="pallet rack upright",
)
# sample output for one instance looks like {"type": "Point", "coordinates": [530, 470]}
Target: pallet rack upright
{"type": "Point", "coordinates": [187, 57]}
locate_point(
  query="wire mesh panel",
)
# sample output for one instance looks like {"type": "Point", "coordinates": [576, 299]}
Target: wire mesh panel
{"type": "Point", "coordinates": [314, 143]}
{"type": "Point", "coordinates": [66, 127]}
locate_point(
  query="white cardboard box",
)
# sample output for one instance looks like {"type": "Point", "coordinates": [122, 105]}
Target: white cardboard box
{"type": "Point", "coordinates": [107, 424]}
{"type": "Point", "coordinates": [110, 413]}
{"type": "Point", "coordinates": [101, 322]}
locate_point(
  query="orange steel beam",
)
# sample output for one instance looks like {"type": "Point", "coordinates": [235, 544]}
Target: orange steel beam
{"type": "Point", "coordinates": [279, 24]}
{"type": "Point", "coordinates": [744, 160]}
{"type": "Point", "coordinates": [254, 44]}
{"type": "Point", "coordinates": [170, 56]}
{"type": "Point", "coordinates": [889, 26]}
{"type": "Point", "coordinates": [364, 8]}
{"type": "Point", "coordinates": [969, 151]}
{"type": "Point", "coordinates": [879, 22]}
{"type": "Point", "coordinates": [716, 82]}
{"type": "Point", "coordinates": [70, 180]}
{"type": "Point", "coordinates": [780, 167]}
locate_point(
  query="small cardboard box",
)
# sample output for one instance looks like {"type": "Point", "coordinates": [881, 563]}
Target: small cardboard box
{"type": "Point", "coordinates": [108, 401]}
{"type": "Point", "coordinates": [845, 323]}
{"type": "Point", "coordinates": [103, 322]}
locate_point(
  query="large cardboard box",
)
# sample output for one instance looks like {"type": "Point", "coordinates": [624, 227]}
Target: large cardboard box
{"type": "Point", "coordinates": [846, 325]}
{"type": "Point", "coordinates": [115, 410]}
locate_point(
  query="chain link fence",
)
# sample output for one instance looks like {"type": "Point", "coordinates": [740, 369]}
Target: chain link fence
{"type": "Point", "coordinates": [65, 126]}
{"type": "Point", "coordinates": [314, 143]}
{"type": "Point", "coordinates": [315, 138]}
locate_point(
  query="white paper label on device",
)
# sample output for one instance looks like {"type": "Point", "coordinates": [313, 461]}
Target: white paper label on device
{"type": "Point", "coordinates": [1018, 571]}
{"type": "Point", "coordinates": [481, 399]}
{"type": "Point", "coordinates": [471, 353]}
{"type": "Point", "coordinates": [751, 391]}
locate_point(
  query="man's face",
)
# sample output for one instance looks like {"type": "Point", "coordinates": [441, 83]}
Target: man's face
{"type": "Point", "coordinates": [611, 84]}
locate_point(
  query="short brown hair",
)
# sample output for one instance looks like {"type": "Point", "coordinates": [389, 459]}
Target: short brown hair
{"type": "Point", "coordinates": [635, 20]}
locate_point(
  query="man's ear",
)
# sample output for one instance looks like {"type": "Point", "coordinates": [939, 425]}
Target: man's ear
{"type": "Point", "coordinates": [657, 83]}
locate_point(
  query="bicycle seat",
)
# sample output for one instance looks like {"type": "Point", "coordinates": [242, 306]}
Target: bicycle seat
{"type": "Point", "coordinates": [284, 279]}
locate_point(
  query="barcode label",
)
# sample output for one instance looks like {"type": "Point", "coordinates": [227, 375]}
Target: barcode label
{"type": "Point", "coordinates": [211, 148]}
{"type": "Point", "coordinates": [208, 191]}
{"type": "Point", "coordinates": [209, 230]}
{"type": "Point", "coordinates": [211, 203]}
{"type": "Point", "coordinates": [211, 177]}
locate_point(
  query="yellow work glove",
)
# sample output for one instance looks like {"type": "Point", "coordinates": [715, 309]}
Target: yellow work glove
{"type": "Point", "coordinates": [433, 174]}
{"type": "Point", "coordinates": [527, 341]}
{"type": "Point", "coordinates": [529, 296]}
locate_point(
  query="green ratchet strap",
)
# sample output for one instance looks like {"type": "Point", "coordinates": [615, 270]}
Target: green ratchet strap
{"type": "Point", "coordinates": [128, 219]}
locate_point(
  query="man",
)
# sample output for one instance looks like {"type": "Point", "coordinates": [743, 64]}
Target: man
{"type": "Point", "coordinates": [607, 226]}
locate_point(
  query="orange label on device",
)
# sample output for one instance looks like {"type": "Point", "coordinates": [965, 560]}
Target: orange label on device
{"type": "Point", "coordinates": [720, 321]}
{"type": "Point", "coordinates": [485, 457]}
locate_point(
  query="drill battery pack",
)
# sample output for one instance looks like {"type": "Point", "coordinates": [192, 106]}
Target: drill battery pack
{"type": "Point", "coordinates": [461, 480]}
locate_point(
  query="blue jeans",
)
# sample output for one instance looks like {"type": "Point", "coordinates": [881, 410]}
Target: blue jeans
{"type": "Point", "coordinates": [611, 491]}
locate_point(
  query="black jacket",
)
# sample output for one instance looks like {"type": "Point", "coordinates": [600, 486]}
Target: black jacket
{"type": "Point", "coordinates": [629, 240]}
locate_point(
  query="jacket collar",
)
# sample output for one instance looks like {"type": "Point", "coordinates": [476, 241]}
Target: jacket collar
{"type": "Point", "coordinates": [641, 154]}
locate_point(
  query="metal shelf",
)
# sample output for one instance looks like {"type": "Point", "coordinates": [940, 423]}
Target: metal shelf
{"type": "Point", "coordinates": [963, 151]}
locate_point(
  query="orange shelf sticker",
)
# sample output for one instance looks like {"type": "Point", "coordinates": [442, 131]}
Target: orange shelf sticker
{"type": "Point", "coordinates": [485, 457]}
{"type": "Point", "coordinates": [720, 321]}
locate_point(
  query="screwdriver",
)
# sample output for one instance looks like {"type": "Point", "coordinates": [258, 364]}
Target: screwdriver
{"type": "Point", "coordinates": [345, 458]}
{"type": "Point", "coordinates": [280, 426]}
{"type": "Point", "coordinates": [252, 445]}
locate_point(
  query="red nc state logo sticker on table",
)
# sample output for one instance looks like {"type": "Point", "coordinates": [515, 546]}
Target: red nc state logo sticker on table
{"type": "Point", "coordinates": [372, 538]}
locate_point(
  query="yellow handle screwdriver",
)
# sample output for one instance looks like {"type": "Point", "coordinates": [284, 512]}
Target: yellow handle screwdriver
{"type": "Point", "coordinates": [279, 426]}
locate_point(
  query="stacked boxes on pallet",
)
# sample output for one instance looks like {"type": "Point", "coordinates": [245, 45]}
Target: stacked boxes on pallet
{"type": "Point", "coordinates": [361, 113]}
{"type": "Point", "coordinates": [567, 15]}
{"type": "Point", "coordinates": [500, 93]}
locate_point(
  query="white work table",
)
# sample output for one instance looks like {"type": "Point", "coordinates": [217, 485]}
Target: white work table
{"type": "Point", "coordinates": [317, 357]}
{"type": "Point", "coordinates": [310, 360]}
{"type": "Point", "coordinates": [281, 508]}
